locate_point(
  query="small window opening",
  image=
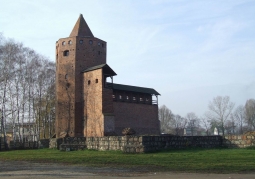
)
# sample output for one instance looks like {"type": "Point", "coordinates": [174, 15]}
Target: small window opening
{"type": "Point", "coordinates": [66, 76]}
{"type": "Point", "coordinates": [66, 52]}
{"type": "Point", "coordinates": [90, 42]}
{"type": "Point", "coordinates": [134, 98]}
{"type": "Point", "coordinates": [63, 43]}
{"type": "Point", "coordinates": [127, 97]}
{"type": "Point", "coordinates": [120, 97]}
{"type": "Point", "coordinates": [147, 99]}
{"type": "Point", "coordinates": [98, 43]}
{"type": "Point", "coordinates": [89, 82]}
{"type": "Point", "coordinates": [141, 99]}
{"type": "Point", "coordinates": [113, 96]}
{"type": "Point", "coordinates": [70, 42]}
{"type": "Point", "coordinates": [96, 80]}
{"type": "Point", "coordinates": [81, 41]}
{"type": "Point", "coordinates": [102, 45]}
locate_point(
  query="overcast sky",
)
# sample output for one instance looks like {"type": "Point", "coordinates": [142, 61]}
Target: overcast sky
{"type": "Point", "coordinates": [190, 51]}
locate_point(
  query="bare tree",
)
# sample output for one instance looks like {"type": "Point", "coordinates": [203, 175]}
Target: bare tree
{"type": "Point", "coordinates": [166, 119]}
{"type": "Point", "coordinates": [193, 123]}
{"type": "Point", "coordinates": [239, 117]}
{"type": "Point", "coordinates": [206, 124]}
{"type": "Point", "coordinates": [220, 109]}
{"type": "Point", "coordinates": [179, 124]}
{"type": "Point", "coordinates": [22, 86]}
{"type": "Point", "coordinates": [250, 113]}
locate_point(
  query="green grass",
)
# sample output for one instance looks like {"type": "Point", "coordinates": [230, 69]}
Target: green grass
{"type": "Point", "coordinates": [191, 160]}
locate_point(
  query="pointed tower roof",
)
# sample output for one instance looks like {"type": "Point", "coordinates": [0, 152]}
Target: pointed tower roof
{"type": "Point", "coordinates": [81, 28]}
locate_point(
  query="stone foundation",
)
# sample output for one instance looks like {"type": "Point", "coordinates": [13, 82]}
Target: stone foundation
{"type": "Point", "coordinates": [239, 141]}
{"type": "Point", "coordinates": [138, 144]}
{"type": "Point", "coordinates": [19, 145]}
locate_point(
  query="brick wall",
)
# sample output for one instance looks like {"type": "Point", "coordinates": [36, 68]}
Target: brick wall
{"type": "Point", "coordinates": [83, 52]}
{"type": "Point", "coordinates": [94, 124]}
{"type": "Point", "coordinates": [143, 118]}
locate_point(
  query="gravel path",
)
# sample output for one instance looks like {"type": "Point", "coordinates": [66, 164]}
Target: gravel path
{"type": "Point", "coordinates": [24, 170]}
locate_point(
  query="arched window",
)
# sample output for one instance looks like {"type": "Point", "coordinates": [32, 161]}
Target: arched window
{"type": "Point", "coordinates": [70, 42]}
{"type": "Point", "coordinates": [63, 43]}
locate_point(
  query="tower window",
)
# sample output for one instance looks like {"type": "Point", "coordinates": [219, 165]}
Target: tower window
{"type": "Point", "coordinates": [89, 82]}
{"type": "Point", "coordinates": [96, 80]}
{"type": "Point", "coordinates": [127, 98]}
{"type": "Point", "coordinates": [102, 45]}
{"type": "Point", "coordinates": [134, 98]}
{"type": "Point", "coordinates": [90, 42]}
{"type": "Point", "coordinates": [63, 43]}
{"type": "Point", "coordinates": [66, 76]}
{"type": "Point", "coordinates": [120, 96]}
{"type": "Point", "coordinates": [70, 42]}
{"type": "Point", "coordinates": [81, 41]}
{"type": "Point", "coordinates": [66, 53]}
{"type": "Point", "coordinates": [98, 43]}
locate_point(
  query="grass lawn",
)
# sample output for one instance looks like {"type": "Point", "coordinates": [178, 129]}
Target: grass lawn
{"type": "Point", "coordinates": [189, 160]}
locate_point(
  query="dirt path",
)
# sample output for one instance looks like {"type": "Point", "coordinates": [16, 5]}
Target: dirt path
{"type": "Point", "coordinates": [24, 170]}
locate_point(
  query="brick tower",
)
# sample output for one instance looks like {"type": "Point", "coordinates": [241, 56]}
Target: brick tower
{"type": "Point", "coordinates": [81, 50]}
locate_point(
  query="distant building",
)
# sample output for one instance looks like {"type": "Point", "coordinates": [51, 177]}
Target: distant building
{"type": "Point", "coordinates": [88, 102]}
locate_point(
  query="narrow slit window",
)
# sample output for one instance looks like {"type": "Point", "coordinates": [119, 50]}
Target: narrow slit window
{"type": "Point", "coordinates": [96, 80]}
{"type": "Point", "coordinates": [89, 82]}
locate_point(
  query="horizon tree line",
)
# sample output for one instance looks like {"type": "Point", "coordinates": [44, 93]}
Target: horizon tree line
{"type": "Point", "coordinates": [222, 116]}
